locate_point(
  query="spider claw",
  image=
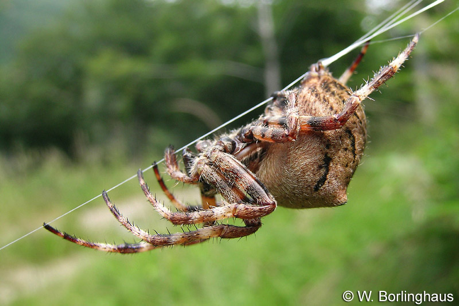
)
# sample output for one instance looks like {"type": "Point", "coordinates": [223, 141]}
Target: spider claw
{"type": "Point", "coordinates": [105, 196]}
{"type": "Point", "coordinates": [52, 229]}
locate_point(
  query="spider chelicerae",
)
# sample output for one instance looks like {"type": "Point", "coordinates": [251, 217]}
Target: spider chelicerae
{"type": "Point", "coordinates": [301, 153]}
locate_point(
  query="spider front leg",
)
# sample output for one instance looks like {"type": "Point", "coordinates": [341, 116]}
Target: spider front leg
{"type": "Point", "coordinates": [185, 238]}
{"type": "Point", "coordinates": [237, 209]}
{"type": "Point", "coordinates": [125, 248]}
{"type": "Point", "coordinates": [151, 242]}
{"type": "Point", "coordinates": [174, 170]}
{"type": "Point", "coordinates": [207, 193]}
{"type": "Point", "coordinates": [249, 213]}
{"type": "Point", "coordinates": [246, 197]}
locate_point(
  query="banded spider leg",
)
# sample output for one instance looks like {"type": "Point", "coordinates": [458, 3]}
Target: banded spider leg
{"type": "Point", "coordinates": [285, 124]}
{"type": "Point", "coordinates": [261, 204]}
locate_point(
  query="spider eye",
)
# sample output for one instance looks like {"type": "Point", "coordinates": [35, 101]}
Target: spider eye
{"type": "Point", "coordinates": [202, 145]}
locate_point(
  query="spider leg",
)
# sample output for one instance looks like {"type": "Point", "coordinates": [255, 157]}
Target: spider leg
{"type": "Point", "coordinates": [151, 242]}
{"type": "Point", "coordinates": [311, 123]}
{"type": "Point", "coordinates": [349, 71]}
{"type": "Point", "coordinates": [207, 192]}
{"type": "Point", "coordinates": [280, 124]}
{"type": "Point", "coordinates": [243, 182]}
{"type": "Point", "coordinates": [124, 248]}
{"type": "Point", "coordinates": [174, 170]}
{"type": "Point", "coordinates": [285, 128]}
{"type": "Point", "coordinates": [236, 210]}
{"type": "Point", "coordinates": [207, 197]}
{"type": "Point", "coordinates": [179, 205]}
{"type": "Point", "coordinates": [185, 238]}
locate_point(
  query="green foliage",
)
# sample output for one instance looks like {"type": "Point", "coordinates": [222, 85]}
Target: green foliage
{"type": "Point", "coordinates": [118, 65]}
{"type": "Point", "coordinates": [385, 238]}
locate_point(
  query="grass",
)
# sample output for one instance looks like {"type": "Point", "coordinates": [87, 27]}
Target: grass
{"type": "Point", "coordinates": [392, 235]}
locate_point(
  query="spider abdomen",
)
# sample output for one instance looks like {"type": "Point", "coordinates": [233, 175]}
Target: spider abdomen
{"type": "Point", "coordinates": [315, 170]}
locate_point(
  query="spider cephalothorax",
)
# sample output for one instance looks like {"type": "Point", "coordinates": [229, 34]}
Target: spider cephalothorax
{"type": "Point", "coordinates": [301, 153]}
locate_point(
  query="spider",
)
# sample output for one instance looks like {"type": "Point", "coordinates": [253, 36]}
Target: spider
{"type": "Point", "coordinates": [301, 153]}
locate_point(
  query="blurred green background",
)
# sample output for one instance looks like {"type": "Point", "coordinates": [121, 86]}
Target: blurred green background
{"type": "Point", "coordinates": [90, 91]}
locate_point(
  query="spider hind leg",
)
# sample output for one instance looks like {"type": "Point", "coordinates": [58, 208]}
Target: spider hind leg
{"type": "Point", "coordinates": [350, 70]}
{"type": "Point", "coordinates": [311, 123]}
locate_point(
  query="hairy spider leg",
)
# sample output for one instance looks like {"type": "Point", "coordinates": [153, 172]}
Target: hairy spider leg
{"type": "Point", "coordinates": [350, 70]}
{"type": "Point", "coordinates": [311, 123]}
{"type": "Point", "coordinates": [207, 196]}
{"type": "Point", "coordinates": [250, 213]}
{"type": "Point", "coordinates": [151, 242]}
{"type": "Point", "coordinates": [236, 208]}
{"type": "Point", "coordinates": [279, 124]}
{"type": "Point", "coordinates": [208, 193]}
{"type": "Point", "coordinates": [286, 128]}
{"type": "Point", "coordinates": [174, 170]}
{"type": "Point", "coordinates": [248, 197]}
{"type": "Point", "coordinates": [213, 168]}
{"type": "Point", "coordinates": [179, 205]}
{"type": "Point", "coordinates": [229, 231]}
{"type": "Point", "coordinates": [125, 248]}
{"type": "Point", "coordinates": [158, 240]}
{"type": "Point", "coordinates": [279, 121]}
